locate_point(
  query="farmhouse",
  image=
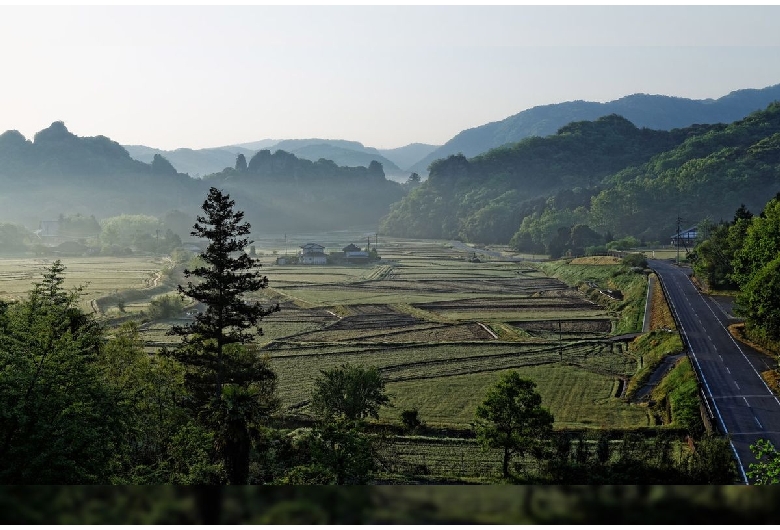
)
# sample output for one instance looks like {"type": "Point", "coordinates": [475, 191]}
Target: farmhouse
{"type": "Point", "coordinates": [353, 254]}
{"type": "Point", "coordinates": [313, 254]}
{"type": "Point", "coordinates": [686, 238]}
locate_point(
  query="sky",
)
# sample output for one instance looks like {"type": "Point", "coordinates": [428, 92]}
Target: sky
{"type": "Point", "coordinates": [387, 76]}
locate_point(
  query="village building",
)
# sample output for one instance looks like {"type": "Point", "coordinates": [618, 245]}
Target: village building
{"type": "Point", "coordinates": [313, 254]}
{"type": "Point", "coordinates": [685, 238]}
{"type": "Point", "coordinates": [353, 254]}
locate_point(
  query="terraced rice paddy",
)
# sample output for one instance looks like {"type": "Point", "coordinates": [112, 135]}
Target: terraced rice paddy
{"type": "Point", "coordinates": [440, 329]}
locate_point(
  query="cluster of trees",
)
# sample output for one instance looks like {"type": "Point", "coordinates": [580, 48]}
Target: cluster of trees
{"type": "Point", "coordinates": [618, 180]}
{"type": "Point", "coordinates": [743, 254]}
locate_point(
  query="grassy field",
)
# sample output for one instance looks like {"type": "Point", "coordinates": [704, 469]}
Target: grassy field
{"type": "Point", "coordinates": [99, 276]}
{"type": "Point", "coordinates": [439, 327]}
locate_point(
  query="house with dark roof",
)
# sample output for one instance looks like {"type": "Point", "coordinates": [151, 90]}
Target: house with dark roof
{"type": "Point", "coordinates": [353, 254]}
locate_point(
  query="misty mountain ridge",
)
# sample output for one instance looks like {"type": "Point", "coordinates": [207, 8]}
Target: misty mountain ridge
{"type": "Point", "coordinates": [643, 110]}
{"type": "Point", "coordinates": [61, 173]}
{"type": "Point", "coordinates": [606, 175]}
{"type": "Point", "coordinates": [194, 162]}
{"type": "Point", "coordinates": [201, 162]}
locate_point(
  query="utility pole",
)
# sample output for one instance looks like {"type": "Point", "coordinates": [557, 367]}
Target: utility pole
{"type": "Point", "coordinates": [679, 220]}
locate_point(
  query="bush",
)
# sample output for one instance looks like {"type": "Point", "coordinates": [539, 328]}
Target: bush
{"type": "Point", "coordinates": [598, 250]}
{"type": "Point", "coordinates": [635, 260]}
{"type": "Point", "coordinates": [166, 306]}
{"type": "Point", "coordinates": [411, 419]}
{"type": "Point", "coordinates": [623, 244]}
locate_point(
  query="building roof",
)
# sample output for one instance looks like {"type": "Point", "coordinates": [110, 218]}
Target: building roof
{"type": "Point", "coordinates": [686, 233]}
{"type": "Point", "coordinates": [351, 248]}
{"type": "Point", "coordinates": [312, 246]}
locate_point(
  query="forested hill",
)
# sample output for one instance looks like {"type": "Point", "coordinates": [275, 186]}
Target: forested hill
{"type": "Point", "coordinates": [708, 175]}
{"type": "Point", "coordinates": [652, 111]}
{"type": "Point", "coordinates": [527, 192]}
{"type": "Point", "coordinates": [59, 172]}
{"type": "Point", "coordinates": [484, 198]}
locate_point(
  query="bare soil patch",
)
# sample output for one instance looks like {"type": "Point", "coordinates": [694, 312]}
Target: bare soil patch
{"type": "Point", "coordinates": [660, 314]}
{"type": "Point", "coordinates": [600, 325]}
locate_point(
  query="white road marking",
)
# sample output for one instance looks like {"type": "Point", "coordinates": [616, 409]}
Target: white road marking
{"type": "Point", "coordinates": [758, 422]}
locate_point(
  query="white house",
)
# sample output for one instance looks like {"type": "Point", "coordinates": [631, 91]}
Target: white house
{"type": "Point", "coordinates": [313, 254]}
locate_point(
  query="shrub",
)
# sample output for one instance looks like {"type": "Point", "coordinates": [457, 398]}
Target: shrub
{"type": "Point", "coordinates": [411, 419]}
{"type": "Point", "coordinates": [166, 306]}
{"type": "Point", "coordinates": [635, 260]}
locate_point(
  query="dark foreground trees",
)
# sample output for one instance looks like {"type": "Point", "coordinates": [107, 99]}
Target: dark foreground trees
{"type": "Point", "coordinates": [59, 421]}
{"type": "Point", "coordinates": [231, 385]}
{"type": "Point", "coordinates": [512, 418]}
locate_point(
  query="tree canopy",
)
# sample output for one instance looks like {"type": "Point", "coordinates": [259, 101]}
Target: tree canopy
{"type": "Point", "coordinates": [512, 418]}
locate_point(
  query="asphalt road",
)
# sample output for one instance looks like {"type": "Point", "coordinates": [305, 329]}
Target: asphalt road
{"type": "Point", "coordinates": [742, 404]}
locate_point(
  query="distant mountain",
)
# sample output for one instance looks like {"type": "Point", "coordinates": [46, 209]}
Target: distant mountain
{"type": "Point", "coordinates": [406, 156]}
{"type": "Point", "coordinates": [254, 146]}
{"type": "Point", "coordinates": [200, 162]}
{"type": "Point", "coordinates": [344, 157]}
{"type": "Point", "coordinates": [195, 162]}
{"type": "Point", "coordinates": [293, 145]}
{"type": "Point", "coordinates": [482, 199]}
{"type": "Point", "coordinates": [655, 112]}
{"type": "Point", "coordinates": [61, 173]}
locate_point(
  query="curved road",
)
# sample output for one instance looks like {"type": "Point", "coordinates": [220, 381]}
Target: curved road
{"type": "Point", "coordinates": [739, 400]}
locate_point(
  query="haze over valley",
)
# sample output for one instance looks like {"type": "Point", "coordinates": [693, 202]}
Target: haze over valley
{"type": "Point", "coordinates": [319, 245]}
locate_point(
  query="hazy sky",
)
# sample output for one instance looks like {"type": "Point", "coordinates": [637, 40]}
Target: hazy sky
{"type": "Point", "coordinates": [197, 77]}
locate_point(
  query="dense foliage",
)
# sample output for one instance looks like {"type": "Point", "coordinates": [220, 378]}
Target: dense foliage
{"type": "Point", "coordinates": [744, 254]}
{"type": "Point", "coordinates": [512, 419]}
{"type": "Point", "coordinates": [608, 175]}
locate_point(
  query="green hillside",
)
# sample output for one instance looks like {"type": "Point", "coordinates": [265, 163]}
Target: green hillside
{"type": "Point", "coordinates": [607, 174]}
{"type": "Point", "coordinates": [644, 110]}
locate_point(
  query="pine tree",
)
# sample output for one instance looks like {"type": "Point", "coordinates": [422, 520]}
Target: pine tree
{"type": "Point", "coordinates": [231, 385]}
{"type": "Point", "coordinates": [227, 276]}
